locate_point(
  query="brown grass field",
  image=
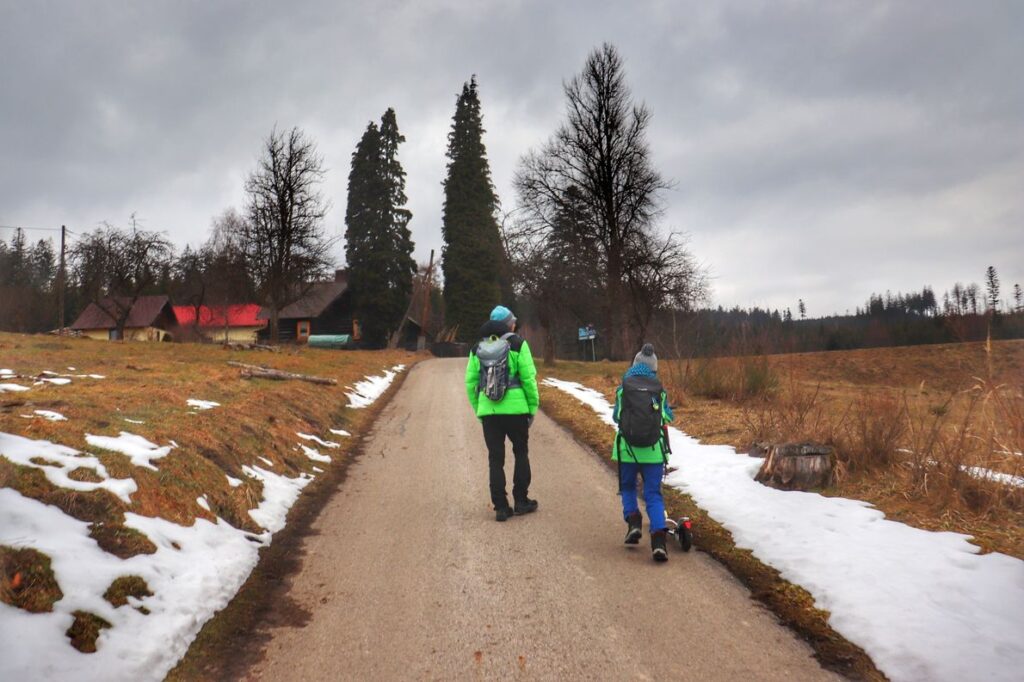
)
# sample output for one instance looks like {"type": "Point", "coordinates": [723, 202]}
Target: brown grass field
{"type": "Point", "coordinates": [906, 423]}
{"type": "Point", "coordinates": [151, 383]}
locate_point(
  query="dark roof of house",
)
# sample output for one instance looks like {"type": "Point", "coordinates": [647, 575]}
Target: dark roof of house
{"type": "Point", "coordinates": [237, 315]}
{"type": "Point", "coordinates": [313, 304]}
{"type": "Point", "coordinates": [144, 313]}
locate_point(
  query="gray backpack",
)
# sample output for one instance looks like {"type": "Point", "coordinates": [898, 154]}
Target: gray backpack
{"type": "Point", "coordinates": [492, 353]}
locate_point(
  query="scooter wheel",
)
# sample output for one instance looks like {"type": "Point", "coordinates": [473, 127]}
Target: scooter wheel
{"type": "Point", "coordinates": [685, 537]}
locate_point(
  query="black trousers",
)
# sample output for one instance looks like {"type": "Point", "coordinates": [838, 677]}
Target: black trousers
{"type": "Point", "coordinates": [516, 427]}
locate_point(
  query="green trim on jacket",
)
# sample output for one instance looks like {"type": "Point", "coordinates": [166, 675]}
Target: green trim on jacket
{"type": "Point", "coordinates": [517, 400]}
{"type": "Point", "coordinates": [650, 455]}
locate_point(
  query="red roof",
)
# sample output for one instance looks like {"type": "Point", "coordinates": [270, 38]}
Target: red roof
{"type": "Point", "coordinates": [241, 315]}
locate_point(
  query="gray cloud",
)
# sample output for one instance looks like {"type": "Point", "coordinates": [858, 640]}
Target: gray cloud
{"type": "Point", "coordinates": [820, 150]}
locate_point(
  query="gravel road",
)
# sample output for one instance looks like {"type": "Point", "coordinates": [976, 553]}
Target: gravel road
{"type": "Point", "coordinates": [408, 576]}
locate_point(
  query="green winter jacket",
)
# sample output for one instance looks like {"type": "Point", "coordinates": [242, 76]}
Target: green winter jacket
{"type": "Point", "coordinates": [654, 454]}
{"type": "Point", "coordinates": [523, 399]}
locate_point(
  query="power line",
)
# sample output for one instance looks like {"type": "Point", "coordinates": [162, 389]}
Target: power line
{"type": "Point", "coordinates": [35, 229]}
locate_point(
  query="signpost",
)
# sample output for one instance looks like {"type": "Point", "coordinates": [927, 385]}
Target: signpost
{"type": "Point", "coordinates": [588, 333]}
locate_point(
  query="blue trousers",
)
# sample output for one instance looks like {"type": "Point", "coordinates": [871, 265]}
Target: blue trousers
{"type": "Point", "coordinates": [651, 475]}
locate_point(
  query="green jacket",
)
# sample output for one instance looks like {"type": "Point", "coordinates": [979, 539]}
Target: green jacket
{"type": "Point", "coordinates": [654, 454]}
{"type": "Point", "coordinates": [517, 400]}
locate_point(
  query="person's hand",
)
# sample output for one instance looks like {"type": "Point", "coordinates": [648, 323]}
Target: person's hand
{"type": "Point", "coordinates": [529, 421]}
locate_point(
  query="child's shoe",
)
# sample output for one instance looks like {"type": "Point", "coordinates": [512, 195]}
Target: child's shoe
{"type": "Point", "coordinates": [635, 528]}
{"type": "Point", "coordinates": [658, 550]}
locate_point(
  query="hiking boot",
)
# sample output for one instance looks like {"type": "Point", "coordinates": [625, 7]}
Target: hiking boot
{"type": "Point", "coordinates": [658, 550]}
{"type": "Point", "coordinates": [635, 528]}
{"type": "Point", "coordinates": [525, 507]}
{"type": "Point", "coordinates": [503, 514]}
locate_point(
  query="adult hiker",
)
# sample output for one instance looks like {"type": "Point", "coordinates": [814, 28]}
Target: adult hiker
{"type": "Point", "coordinates": [501, 382]}
{"type": "Point", "coordinates": [640, 448]}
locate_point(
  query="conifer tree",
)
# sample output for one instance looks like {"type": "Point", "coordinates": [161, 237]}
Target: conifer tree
{"type": "Point", "coordinates": [992, 289]}
{"type": "Point", "coordinates": [472, 259]}
{"type": "Point", "coordinates": [1018, 298]}
{"type": "Point", "coordinates": [378, 241]}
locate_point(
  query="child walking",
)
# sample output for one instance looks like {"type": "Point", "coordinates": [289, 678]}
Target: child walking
{"type": "Point", "coordinates": [641, 411]}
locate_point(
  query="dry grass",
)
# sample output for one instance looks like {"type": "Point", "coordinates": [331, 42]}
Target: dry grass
{"type": "Point", "coordinates": [151, 383]}
{"type": "Point", "coordinates": [126, 586]}
{"type": "Point", "coordinates": [27, 581]}
{"type": "Point", "coordinates": [907, 423]}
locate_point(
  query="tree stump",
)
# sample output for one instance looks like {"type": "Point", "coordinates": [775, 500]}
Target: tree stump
{"type": "Point", "coordinates": [797, 466]}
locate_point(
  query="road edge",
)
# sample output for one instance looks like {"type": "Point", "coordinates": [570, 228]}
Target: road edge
{"type": "Point", "coordinates": [231, 642]}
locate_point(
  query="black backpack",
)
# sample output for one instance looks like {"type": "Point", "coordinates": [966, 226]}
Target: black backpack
{"type": "Point", "coordinates": [492, 353]}
{"type": "Point", "coordinates": [640, 411]}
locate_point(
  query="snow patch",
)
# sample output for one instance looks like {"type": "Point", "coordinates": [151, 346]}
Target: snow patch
{"type": "Point", "coordinates": [924, 605]}
{"type": "Point", "coordinates": [139, 450]}
{"type": "Point", "coordinates": [134, 421]}
{"type": "Point", "coordinates": [314, 454]}
{"type": "Point", "coordinates": [365, 392]}
{"type": "Point", "coordinates": [58, 381]}
{"type": "Point", "coordinates": [202, 404]}
{"type": "Point", "coordinates": [279, 493]}
{"type": "Point", "coordinates": [12, 388]}
{"type": "Point", "coordinates": [233, 482]}
{"type": "Point", "coordinates": [340, 432]}
{"type": "Point", "coordinates": [51, 415]}
{"type": "Point", "coordinates": [201, 501]}
{"type": "Point", "coordinates": [61, 461]}
{"type": "Point", "coordinates": [266, 461]}
{"type": "Point", "coordinates": [325, 443]}
{"type": "Point", "coordinates": [995, 476]}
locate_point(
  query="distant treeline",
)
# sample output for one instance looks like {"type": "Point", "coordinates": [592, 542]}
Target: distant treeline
{"type": "Point", "coordinates": [963, 313]}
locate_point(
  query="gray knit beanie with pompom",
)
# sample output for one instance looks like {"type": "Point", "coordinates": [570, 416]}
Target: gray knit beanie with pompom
{"type": "Point", "coordinates": [647, 357]}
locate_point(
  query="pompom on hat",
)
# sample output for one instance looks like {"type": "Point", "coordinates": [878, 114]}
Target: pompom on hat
{"type": "Point", "coordinates": [503, 314]}
{"type": "Point", "coordinates": [647, 357]}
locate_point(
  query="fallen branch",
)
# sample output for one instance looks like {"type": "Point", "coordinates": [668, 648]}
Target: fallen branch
{"type": "Point", "coordinates": [257, 372]}
{"type": "Point", "coordinates": [235, 345]}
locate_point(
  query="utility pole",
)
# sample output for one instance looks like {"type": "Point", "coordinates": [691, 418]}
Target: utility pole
{"type": "Point", "coordinates": [428, 281]}
{"type": "Point", "coordinates": [60, 278]}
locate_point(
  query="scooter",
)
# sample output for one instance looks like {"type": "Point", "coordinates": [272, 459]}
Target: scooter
{"type": "Point", "coordinates": [682, 528]}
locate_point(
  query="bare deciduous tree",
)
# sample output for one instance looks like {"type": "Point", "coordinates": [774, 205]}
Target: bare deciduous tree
{"type": "Point", "coordinates": [113, 267]}
{"type": "Point", "coordinates": [602, 151]}
{"type": "Point", "coordinates": [282, 235]}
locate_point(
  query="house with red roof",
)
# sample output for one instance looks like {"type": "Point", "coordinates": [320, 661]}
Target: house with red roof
{"type": "Point", "coordinates": [237, 323]}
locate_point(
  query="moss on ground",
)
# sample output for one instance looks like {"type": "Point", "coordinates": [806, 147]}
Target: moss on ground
{"type": "Point", "coordinates": [126, 586]}
{"type": "Point", "coordinates": [27, 580]}
{"type": "Point", "coordinates": [85, 630]}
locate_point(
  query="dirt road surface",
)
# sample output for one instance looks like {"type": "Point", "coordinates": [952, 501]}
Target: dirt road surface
{"type": "Point", "coordinates": [408, 576]}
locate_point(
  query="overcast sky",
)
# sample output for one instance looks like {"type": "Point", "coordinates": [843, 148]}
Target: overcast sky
{"type": "Point", "coordinates": [820, 150]}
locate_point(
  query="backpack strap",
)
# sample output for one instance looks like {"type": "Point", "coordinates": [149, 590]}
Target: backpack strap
{"type": "Point", "coordinates": [513, 381]}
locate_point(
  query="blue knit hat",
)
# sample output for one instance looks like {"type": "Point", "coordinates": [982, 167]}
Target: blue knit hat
{"type": "Point", "coordinates": [503, 314]}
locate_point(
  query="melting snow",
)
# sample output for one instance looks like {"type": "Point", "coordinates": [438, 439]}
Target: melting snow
{"type": "Point", "coordinates": [365, 392]}
{"type": "Point", "coordinates": [279, 493]}
{"type": "Point", "coordinates": [233, 482]}
{"type": "Point", "coordinates": [52, 416]}
{"type": "Point", "coordinates": [140, 450]}
{"type": "Point", "coordinates": [202, 404]}
{"type": "Point", "coordinates": [59, 381]}
{"type": "Point", "coordinates": [60, 461]}
{"type": "Point", "coordinates": [134, 421]}
{"type": "Point", "coordinates": [201, 501]}
{"type": "Point", "coordinates": [340, 432]}
{"type": "Point", "coordinates": [325, 443]}
{"type": "Point", "coordinates": [12, 388]}
{"type": "Point", "coordinates": [924, 605]}
{"type": "Point", "coordinates": [314, 454]}
{"type": "Point", "coordinates": [996, 476]}
{"type": "Point", "coordinates": [266, 461]}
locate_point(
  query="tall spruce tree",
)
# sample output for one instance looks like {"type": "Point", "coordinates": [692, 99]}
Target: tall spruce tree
{"type": "Point", "coordinates": [472, 260]}
{"type": "Point", "coordinates": [378, 241]}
